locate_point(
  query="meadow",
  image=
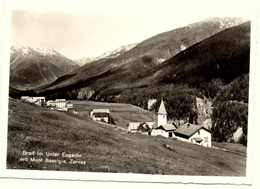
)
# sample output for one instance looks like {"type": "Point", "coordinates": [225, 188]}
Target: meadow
{"type": "Point", "coordinates": [77, 143]}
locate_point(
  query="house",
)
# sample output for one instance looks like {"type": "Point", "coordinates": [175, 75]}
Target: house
{"type": "Point", "coordinates": [100, 115]}
{"type": "Point", "coordinates": [57, 104]}
{"type": "Point", "coordinates": [98, 110]}
{"type": "Point", "coordinates": [194, 134]}
{"type": "Point", "coordinates": [166, 130]}
{"type": "Point", "coordinates": [133, 127]}
{"type": "Point", "coordinates": [144, 127]}
{"type": "Point", "coordinates": [25, 98]}
{"type": "Point", "coordinates": [34, 100]}
{"type": "Point", "coordinates": [60, 103]}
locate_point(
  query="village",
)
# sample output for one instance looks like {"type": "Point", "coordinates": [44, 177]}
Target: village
{"type": "Point", "coordinates": [185, 132]}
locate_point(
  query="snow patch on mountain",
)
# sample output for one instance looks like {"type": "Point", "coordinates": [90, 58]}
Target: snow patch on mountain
{"type": "Point", "coordinates": [21, 49]}
{"type": "Point", "coordinates": [115, 53]}
{"type": "Point", "coordinates": [46, 51]}
{"type": "Point", "coordinates": [110, 54]}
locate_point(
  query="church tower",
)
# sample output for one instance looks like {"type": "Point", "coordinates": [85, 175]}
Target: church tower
{"type": "Point", "coordinates": [162, 115]}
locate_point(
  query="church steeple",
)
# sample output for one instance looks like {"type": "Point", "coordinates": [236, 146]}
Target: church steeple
{"type": "Point", "coordinates": [162, 109]}
{"type": "Point", "coordinates": [162, 115]}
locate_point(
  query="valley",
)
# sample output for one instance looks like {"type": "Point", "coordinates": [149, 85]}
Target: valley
{"type": "Point", "coordinates": [199, 72]}
{"type": "Point", "coordinates": [101, 148]}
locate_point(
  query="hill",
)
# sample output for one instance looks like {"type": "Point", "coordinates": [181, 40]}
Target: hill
{"type": "Point", "coordinates": [146, 54]}
{"type": "Point", "coordinates": [49, 134]}
{"type": "Point", "coordinates": [30, 68]}
{"type": "Point", "coordinates": [224, 56]}
{"type": "Point", "coordinates": [202, 68]}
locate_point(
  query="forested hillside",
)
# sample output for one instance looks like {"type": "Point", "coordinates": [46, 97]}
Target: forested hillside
{"type": "Point", "coordinates": [231, 110]}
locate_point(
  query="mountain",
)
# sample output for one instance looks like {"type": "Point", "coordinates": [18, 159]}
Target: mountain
{"type": "Point", "coordinates": [224, 56]}
{"type": "Point", "coordinates": [117, 52]}
{"type": "Point", "coordinates": [57, 59]}
{"type": "Point", "coordinates": [132, 65]}
{"type": "Point", "coordinates": [31, 68]}
{"type": "Point", "coordinates": [84, 60]}
{"type": "Point", "coordinates": [106, 55]}
{"type": "Point", "coordinates": [215, 68]}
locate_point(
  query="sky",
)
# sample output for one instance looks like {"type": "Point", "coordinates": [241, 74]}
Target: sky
{"type": "Point", "coordinates": [79, 29]}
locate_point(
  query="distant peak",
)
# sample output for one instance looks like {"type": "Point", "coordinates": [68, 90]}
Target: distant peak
{"type": "Point", "coordinates": [224, 22]}
{"type": "Point", "coordinates": [46, 51]}
{"type": "Point", "coordinates": [21, 49]}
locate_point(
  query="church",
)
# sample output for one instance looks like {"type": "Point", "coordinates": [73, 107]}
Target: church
{"type": "Point", "coordinates": [187, 132]}
{"type": "Point", "coordinates": [163, 128]}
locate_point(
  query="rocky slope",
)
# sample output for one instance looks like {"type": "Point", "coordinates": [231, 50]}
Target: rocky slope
{"type": "Point", "coordinates": [30, 68]}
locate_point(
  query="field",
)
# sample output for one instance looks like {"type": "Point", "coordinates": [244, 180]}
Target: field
{"type": "Point", "coordinates": [121, 113]}
{"type": "Point", "coordinates": [76, 143]}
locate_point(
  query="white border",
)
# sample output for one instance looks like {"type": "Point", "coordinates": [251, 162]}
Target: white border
{"type": "Point", "coordinates": [116, 177]}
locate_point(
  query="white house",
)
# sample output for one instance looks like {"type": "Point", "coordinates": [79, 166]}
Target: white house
{"type": "Point", "coordinates": [98, 111]}
{"type": "Point", "coordinates": [194, 134]}
{"type": "Point", "coordinates": [133, 127]}
{"type": "Point", "coordinates": [57, 104]}
{"type": "Point", "coordinates": [100, 115]}
{"type": "Point", "coordinates": [34, 100]}
{"type": "Point", "coordinates": [25, 98]}
{"type": "Point", "coordinates": [144, 127]}
{"type": "Point", "coordinates": [166, 130]}
{"type": "Point", "coordinates": [60, 103]}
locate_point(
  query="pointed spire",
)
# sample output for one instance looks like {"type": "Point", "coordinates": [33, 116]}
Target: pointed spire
{"type": "Point", "coordinates": [162, 109]}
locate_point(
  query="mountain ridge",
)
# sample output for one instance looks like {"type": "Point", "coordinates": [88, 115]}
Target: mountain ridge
{"type": "Point", "coordinates": [106, 55]}
{"type": "Point", "coordinates": [30, 67]}
{"type": "Point", "coordinates": [154, 50]}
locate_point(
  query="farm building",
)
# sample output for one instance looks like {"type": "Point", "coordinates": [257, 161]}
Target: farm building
{"type": "Point", "coordinates": [61, 104]}
{"type": "Point", "coordinates": [140, 126]}
{"type": "Point", "coordinates": [133, 127]}
{"type": "Point", "coordinates": [194, 134]}
{"type": "Point", "coordinates": [58, 103]}
{"type": "Point", "coordinates": [34, 100]}
{"type": "Point", "coordinates": [100, 115]}
{"type": "Point", "coordinates": [166, 130]}
{"type": "Point", "coordinates": [25, 98]}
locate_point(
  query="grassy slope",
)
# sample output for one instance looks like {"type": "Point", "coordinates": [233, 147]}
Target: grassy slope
{"type": "Point", "coordinates": [106, 149]}
{"type": "Point", "coordinates": [121, 113]}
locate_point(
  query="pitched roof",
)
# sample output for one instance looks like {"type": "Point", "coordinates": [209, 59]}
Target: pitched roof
{"type": "Point", "coordinates": [150, 124]}
{"type": "Point", "coordinates": [101, 111]}
{"type": "Point", "coordinates": [101, 114]}
{"type": "Point", "coordinates": [162, 109]}
{"type": "Point", "coordinates": [188, 129]}
{"type": "Point", "coordinates": [167, 127]}
{"type": "Point", "coordinates": [133, 125]}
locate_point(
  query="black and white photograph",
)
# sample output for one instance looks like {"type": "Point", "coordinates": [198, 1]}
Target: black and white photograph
{"type": "Point", "coordinates": [142, 91]}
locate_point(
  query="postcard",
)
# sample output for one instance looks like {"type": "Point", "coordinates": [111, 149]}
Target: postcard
{"type": "Point", "coordinates": [128, 92]}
